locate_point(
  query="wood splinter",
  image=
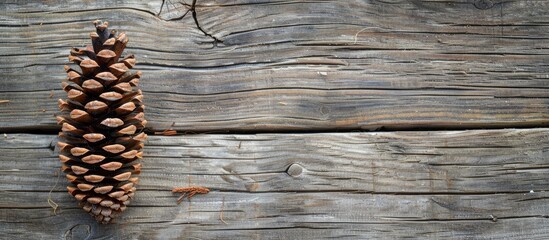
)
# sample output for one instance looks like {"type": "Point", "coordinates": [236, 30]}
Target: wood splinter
{"type": "Point", "coordinates": [189, 192]}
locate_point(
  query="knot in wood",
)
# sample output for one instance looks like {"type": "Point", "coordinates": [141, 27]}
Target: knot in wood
{"type": "Point", "coordinates": [484, 4]}
{"type": "Point", "coordinates": [294, 170]}
{"type": "Point", "coordinates": [78, 231]}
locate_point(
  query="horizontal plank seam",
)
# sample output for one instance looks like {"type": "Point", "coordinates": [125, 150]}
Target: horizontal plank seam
{"type": "Point", "coordinates": [472, 193]}
{"type": "Point", "coordinates": [51, 130]}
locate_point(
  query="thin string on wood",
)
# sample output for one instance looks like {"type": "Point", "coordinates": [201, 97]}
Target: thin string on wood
{"type": "Point", "coordinates": [356, 35]}
{"type": "Point", "coordinates": [52, 203]}
{"type": "Point", "coordinates": [222, 209]}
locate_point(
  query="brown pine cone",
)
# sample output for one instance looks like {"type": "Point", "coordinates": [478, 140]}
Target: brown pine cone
{"type": "Point", "coordinates": [102, 122]}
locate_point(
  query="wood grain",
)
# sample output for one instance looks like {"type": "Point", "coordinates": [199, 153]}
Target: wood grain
{"type": "Point", "coordinates": [156, 215]}
{"type": "Point", "coordinates": [295, 65]}
{"type": "Point", "coordinates": [438, 184]}
{"type": "Point", "coordinates": [294, 70]}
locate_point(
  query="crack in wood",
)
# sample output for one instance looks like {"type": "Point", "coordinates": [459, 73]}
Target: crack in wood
{"type": "Point", "coordinates": [192, 10]}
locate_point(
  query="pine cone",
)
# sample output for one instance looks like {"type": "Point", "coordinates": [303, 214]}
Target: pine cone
{"type": "Point", "coordinates": [102, 122]}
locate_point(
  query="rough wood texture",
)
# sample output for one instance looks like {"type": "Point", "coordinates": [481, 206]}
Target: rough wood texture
{"type": "Point", "coordinates": [283, 66]}
{"type": "Point", "coordinates": [488, 184]}
{"type": "Point", "coordinates": [296, 65]}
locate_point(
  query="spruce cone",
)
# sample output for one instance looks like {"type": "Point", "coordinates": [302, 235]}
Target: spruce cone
{"type": "Point", "coordinates": [102, 122]}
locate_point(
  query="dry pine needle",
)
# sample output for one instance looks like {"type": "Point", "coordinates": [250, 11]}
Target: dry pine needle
{"type": "Point", "coordinates": [189, 192]}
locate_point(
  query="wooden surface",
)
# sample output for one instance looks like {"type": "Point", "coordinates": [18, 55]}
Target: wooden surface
{"type": "Point", "coordinates": [296, 65]}
{"type": "Point", "coordinates": [281, 92]}
{"type": "Point", "coordinates": [459, 184]}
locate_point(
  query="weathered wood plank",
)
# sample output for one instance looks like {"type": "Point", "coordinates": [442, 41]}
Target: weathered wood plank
{"type": "Point", "coordinates": [406, 162]}
{"type": "Point", "coordinates": [294, 65]}
{"type": "Point", "coordinates": [444, 184]}
{"type": "Point", "coordinates": [156, 215]}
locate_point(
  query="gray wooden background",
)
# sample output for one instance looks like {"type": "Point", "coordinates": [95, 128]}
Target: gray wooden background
{"type": "Point", "coordinates": [307, 119]}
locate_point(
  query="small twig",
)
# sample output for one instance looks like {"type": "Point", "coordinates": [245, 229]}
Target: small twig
{"type": "Point", "coordinates": [189, 192]}
{"type": "Point", "coordinates": [53, 204]}
{"type": "Point", "coordinates": [4, 101]}
{"type": "Point", "coordinates": [167, 132]}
